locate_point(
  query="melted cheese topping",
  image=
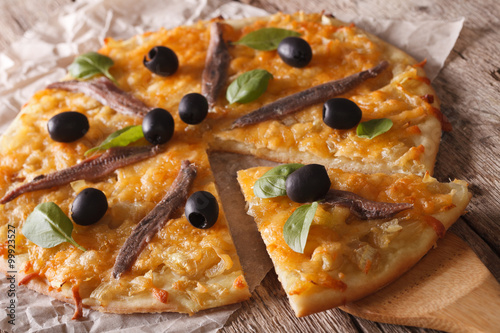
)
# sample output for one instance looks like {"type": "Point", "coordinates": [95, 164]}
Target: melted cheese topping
{"type": "Point", "coordinates": [340, 244]}
{"type": "Point", "coordinates": [179, 255]}
{"type": "Point", "coordinates": [338, 51]}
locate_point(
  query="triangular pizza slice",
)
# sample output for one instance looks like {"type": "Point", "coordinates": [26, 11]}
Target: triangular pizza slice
{"type": "Point", "coordinates": [350, 253]}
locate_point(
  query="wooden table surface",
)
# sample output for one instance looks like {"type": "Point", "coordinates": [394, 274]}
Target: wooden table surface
{"type": "Point", "coordinates": [469, 88]}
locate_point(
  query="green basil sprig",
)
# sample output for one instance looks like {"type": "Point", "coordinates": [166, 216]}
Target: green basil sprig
{"type": "Point", "coordinates": [272, 183]}
{"type": "Point", "coordinates": [48, 226]}
{"type": "Point", "coordinates": [266, 39]}
{"type": "Point", "coordinates": [89, 64]}
{"type": "Point", "coordinates": [248, 86]}
{"type": "Point", "coordinates": [120, 138]}
{"type": "Point", "coordinates": [372, 128]}
{"type": "Point", "coordinates": [296, 228]}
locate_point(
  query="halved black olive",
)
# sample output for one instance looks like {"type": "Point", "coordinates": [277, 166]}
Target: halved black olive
{"type": "Point", "coordinates": [202, 210]}
{"type": "Point", "coordinates": [193, 108]}
{"type": "Point", "coordinates": [162, 61]}
{"type": "Point", "coordinates": [295, 52]}
{"type": "Point", "coordinates": [89, 206]}
{"type": "Point", "coordinates": [68, 126]}
{"type": "Point", "coordinates": [341, 113]}
{"type": "Point", "coordinates": [158, 126]}
{"type": "Point", "coordinates": [307, 184]}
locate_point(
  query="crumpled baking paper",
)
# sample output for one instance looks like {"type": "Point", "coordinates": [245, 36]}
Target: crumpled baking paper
{"type": "Point", "coordinates": [429, 40]}
{"type": "Point", "coordinates": [42, 57]}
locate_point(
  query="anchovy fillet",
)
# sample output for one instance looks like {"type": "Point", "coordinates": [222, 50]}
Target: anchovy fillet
{"type": "Point", "coordinates": [298, 101]}
{"type": "Point", "coordinates": [155, 220]}
{"type": "Point", "coordinates": [216, 65]}
{"type": "Point", "coordinates": [363, 208]}
{"type": "Point", "coordinates": [89, 169]}
{"type": "Point", "coordinates": [107, 93]}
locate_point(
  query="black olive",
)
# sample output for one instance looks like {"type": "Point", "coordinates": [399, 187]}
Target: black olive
{"type": "Point", "coordinates": [202, 209]}
{"type": "Point", "coordinates": [68, 126]}
{"type": "Point", "coordinates": [158, 126]}
{"type": "Point", "coordinates": [309, 183]}
{"type": "Point", "coordinates": [162, 61]}
{"type": "Point", "coordinates": [193, 108]}
{"type": "Point", "coordinates": [89, 206]}
{"type": "Point", "coordinates": [295, 52]}
{"type": "Point", "coordinates": [341, 113]}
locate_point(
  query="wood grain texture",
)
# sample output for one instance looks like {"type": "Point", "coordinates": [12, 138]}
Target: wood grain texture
{"type": "Point", "coordinates": [469, 88]}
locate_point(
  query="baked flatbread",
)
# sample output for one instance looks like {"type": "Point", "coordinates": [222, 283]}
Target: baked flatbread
{"type": "Point", "coordinates": [346, 258]}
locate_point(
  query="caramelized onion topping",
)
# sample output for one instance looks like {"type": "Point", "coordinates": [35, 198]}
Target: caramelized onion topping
{"type": "Point", "coordinates": [363, 208]}
{"type": "Point", "coordinates": [89, 169]}
{"type": "Point", "coordinates": [106, 93]}
{"type": "Point", "coordinates": [315, 95]}
{"type": "Point", "coordinates": [155, 220]}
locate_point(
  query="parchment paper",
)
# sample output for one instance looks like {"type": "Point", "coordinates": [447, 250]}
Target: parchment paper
{"type": "Point", "coordinates": [42, 56]}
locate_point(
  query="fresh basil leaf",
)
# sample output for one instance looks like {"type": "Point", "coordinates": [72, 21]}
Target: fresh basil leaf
{"type": "Point", "coordinates": [266, 39]}
{"type": "Point", "coordinates": [89, 64]}
{"type": "Point", "coordinates": [272, 183]}
{"type": "Point", "coordinates": [120, 138]}
{"type": "Point", "coordinates": [248, 86]}
{"type": "Point", "coordinates": [48, 226]}
{"type": "Point", "coordinates": [297, 226]}
{"type": "Point", "coordinates": [372, 128]}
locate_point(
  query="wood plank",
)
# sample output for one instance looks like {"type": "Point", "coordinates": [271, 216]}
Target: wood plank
{"type": "Point", "coordinates": [479, 246]}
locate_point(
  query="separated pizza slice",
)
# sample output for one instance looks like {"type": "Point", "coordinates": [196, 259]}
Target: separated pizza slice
{"type": "Point", "coordinates": [353, 246]}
